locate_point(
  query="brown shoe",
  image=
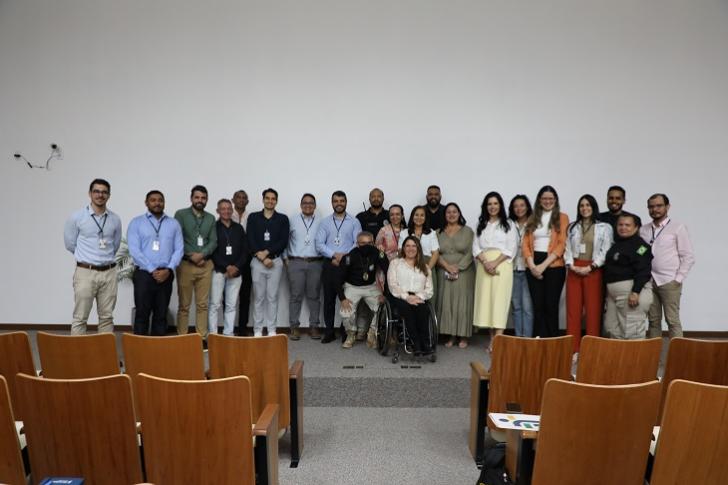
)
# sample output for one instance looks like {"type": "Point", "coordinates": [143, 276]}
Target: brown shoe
{"type": "Point", "coordinates": [315, 333]}
{"type": "Point", "coordinates": [295, 334]}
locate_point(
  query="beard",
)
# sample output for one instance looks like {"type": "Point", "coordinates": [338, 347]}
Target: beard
{"type": "Point", "coordinates": [434, 203]}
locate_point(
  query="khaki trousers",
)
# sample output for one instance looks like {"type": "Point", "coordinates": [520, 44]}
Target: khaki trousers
{"type": "Point", "coordinates": [191, 277]}
{"type": "Point", "coordinates": [667, 298]}
{"type": "Point", "coordinates": [90, 285]}
{"type": "Point", "coordinates": [622, 321]}
{"type": "Point", "coordinates": [370, 295]}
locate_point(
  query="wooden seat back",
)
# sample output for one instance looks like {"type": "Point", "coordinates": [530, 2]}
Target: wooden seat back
{"type": "Point", "coordinates": [196, 431]}
{"type": "Point", "coordinates": [595, 434]}
{"type": "Point", "coordinates": [81, 428]}
{"type": "Point", "coordinates": [520, 368]}
{"type": "Point", "coordinates": [606, 361]}
{"type": "Point", "coordinates": [693, 442]}
{"type": "Point", "coordinates": [264, 360]}
{"type": "Point", "coordinates": [174, 357]}
{"type": "Point", "coordinates": [11, 462]}
{"type": "Point", "coordinates": [695, 360]}
{"type": "Point", "coordinates": [77, 356]}
{"type": "Point", "coordinates": [15, 357]}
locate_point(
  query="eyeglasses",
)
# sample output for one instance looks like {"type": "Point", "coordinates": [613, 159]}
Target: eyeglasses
{"type": "Point", "coordinates": [100, 192]}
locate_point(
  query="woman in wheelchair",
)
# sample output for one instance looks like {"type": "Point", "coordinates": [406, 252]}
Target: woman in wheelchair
{"type": "Point", "coordinates": [410, 283]}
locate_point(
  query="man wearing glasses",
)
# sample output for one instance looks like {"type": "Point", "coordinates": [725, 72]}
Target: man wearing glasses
{"type": "Point", "coordinates": [304, 268]}
{"type": "Point", "coordinates": [93, 236]}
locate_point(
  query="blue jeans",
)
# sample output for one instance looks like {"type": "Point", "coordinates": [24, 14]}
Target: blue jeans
{"type": "Point", "coordinates": [522, 305]}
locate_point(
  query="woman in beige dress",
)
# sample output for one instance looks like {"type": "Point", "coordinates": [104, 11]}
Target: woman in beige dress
{"type": "Point", "coordinates": [456, 278]}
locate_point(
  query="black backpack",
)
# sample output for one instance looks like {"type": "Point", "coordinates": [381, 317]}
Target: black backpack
{"type": "Point", "coordinates": [493, 471]}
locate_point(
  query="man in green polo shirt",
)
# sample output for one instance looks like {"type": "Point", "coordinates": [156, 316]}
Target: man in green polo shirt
{"type": "Point", "coordinates": [195, 271]}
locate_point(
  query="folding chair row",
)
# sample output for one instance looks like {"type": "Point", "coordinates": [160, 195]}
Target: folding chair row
{"type": "Point", "coordinates": [87, 428]}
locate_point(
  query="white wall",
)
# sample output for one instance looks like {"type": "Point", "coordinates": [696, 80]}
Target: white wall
{"type": "Point", "coordinates": [319, 95]}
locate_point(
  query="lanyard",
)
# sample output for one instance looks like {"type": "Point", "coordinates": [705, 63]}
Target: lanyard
{"type": "Point", "coordinates": [655, 236]}
{"type": "Point", "coordinates": [308, 226]}
{"type": "Point", "coordinates": [199, 224]}
{"type": "Point", "coordinates": [226, 230]}
{"type": "Point", "coordinates": [338, 228]}
{"type": "Point", "coordinates": [396, 236]}
{"type": "Point", "coordinates": [101, 226]}
{"type": "Point", "coordinates": [159, 227]}
{"type": "Point", "coordinates": [584, 230]}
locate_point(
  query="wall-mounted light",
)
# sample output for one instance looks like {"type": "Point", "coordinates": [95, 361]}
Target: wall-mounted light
{"type": "Point", "coordinates": [56, 154]}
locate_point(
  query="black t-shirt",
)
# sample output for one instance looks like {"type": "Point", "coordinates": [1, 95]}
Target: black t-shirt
{"type": "Point", "coordinates": [629, 259]}
{"type": "Point", "coordinates": [359, 267]}
{"type": "Point", "coordinates": [372, 222]}
{"type": "Point", "coordinates": [437, 218]}
{"type": "Point", "coordinates": [611, 219]}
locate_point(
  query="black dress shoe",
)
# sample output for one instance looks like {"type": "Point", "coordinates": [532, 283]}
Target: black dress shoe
{"type": "Point", "coordinates": [204, 345]}
{"type": "Point", "coordinates": [329, 337]}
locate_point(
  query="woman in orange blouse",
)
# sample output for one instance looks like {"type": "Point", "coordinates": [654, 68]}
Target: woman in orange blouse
{"type": "Point", "coordinates": [543, 249]}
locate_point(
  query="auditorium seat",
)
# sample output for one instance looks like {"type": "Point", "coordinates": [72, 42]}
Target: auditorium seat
{"type": "Point", "coordinates": [11, 461]}
{"type": "Point", "coordinates": [264, 360]}
{"type": "Point", "coordinates": [77, 356]}
{"type": "Point", "coordinates": [519, 369]}
{"type": "Point", "coordinates": [693, 443]}
{"type": "Point", "coordinates": [81, 428]}
{"type": "Point", "coordinates": [614, 362]}
{"type": "Point", "coordinates": [201, 432]}
{"type": "Point", "coordinates": [594, 434]}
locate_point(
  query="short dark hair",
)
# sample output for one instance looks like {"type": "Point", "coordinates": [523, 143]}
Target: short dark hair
{"type": "Point", "coordinates": [99, 182]}
{"type": "Point", "coordinates": [198, 188]}
{"type": "Point", "coordinates": [223, 200]}
{"type": "Point", "coordinates": [153, 192]}
{"type": "Point", "coordinates": [434, 187]}
{"type": "Point", "coordinates": [619, 188]}
{"type": "Point", "coordinates": [338, 193]}
{"type": "Point", "coordinates": [308, 195]}
{"type": "Point", "coordinates": [272, 191]}
{"type": "Point", "coordinates": [241, 191]}
{"type": "Point", "coordinates": [664, 198]}
{"type": "Point", "coordinates": [629, 215]}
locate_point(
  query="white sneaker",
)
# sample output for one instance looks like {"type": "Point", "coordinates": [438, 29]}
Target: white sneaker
{"type": "Point", "coordinates": [257, 334]}
{"type": "Point", "coordinates": [270, 333]}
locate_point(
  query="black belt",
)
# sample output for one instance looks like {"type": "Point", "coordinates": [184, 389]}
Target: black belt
{"type": "Point", "coordinates": [307, 259]}
{"type": "Point", "coordinates": [104, 267]}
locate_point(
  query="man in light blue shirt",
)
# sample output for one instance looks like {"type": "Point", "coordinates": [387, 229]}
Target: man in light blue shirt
{"type": "Point", "coordinates": [93, 236]}
{"type": "Point", "coordinates": [156, 246]}
{"type": "Point", "coordinates": [304, 267]}
{"type": "Point", "coordinates": [335, 238]}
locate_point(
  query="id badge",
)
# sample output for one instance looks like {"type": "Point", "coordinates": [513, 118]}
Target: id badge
{"type": "Point", "coordinates": [102, 243]}
{"type": "Point", "coordinates": [155, 245]}
{"type": "Point", "coordinates": [582, 248]}
{"type": "Point", "coordinates": [200, 242]}
{"type": "Point", "coordinates": [228, 250]}
{"type": "Point", "coordinates": [307, 241]}
{"type": "Point", "coordinates": [337, 241]}
{"type": "Point", "coordinates": [266, 236]}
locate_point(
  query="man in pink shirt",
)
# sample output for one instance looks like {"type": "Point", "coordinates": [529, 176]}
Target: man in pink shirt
{"type": "Point", "coordinates": [673, 258]}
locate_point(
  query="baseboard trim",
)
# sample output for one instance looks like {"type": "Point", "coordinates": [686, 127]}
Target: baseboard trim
{"type": "Point", "coordinates": [707, 334]}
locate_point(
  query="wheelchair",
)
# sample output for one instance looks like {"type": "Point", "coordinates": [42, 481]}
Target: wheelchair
{"type": "Point", "coordinates": [392, 332]}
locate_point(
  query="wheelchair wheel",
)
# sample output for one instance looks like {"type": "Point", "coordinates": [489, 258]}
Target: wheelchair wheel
{"type": "Point", "coordinates": [384, 328]}
{"type": "Point", "coordinates": [434, 331]}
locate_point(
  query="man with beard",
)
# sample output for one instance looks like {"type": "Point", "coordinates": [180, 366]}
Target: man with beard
{"type": "Point", "coordinates": [616, 197]}
{"type": "Point", "coordinates": [335, 238]}
{"type": "Point", "coordinates": [673, 258]}
{"type": "Point", "coordinates": [374, 218]}
{"type": "Point", "coordinates": [435, 210]}
{"type": "Point", "coordinates": [240, 215]}
{"type": "Point", "coordinates": [93, 236]}
{"type": "Point", "coordinates": [358, 283]}
{"type": "Point", "coordinates": [195, 271]}
{"type": "Point", "coordinates": [156, 246]}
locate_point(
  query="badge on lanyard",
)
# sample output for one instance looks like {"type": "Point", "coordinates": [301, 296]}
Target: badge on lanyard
{"type": "Point", "coordinates": [228, 250]}
{"type": "Point", "coordinates": [102, 243]}
{"type": "Point", "coordinates": [155, 245]}
{"type": "Point", "coordinates": [365, 276]}
{"type": "Point", "coordinates": [266, 235]}
{"type": "Point", "coordinates": [306, 241]}
{"type": "Point", "coordinates": [337, 241]}
{"type": "Point", "coordinates": [200, 241]}
{"type": "Point", "coordinates": [582, 248]}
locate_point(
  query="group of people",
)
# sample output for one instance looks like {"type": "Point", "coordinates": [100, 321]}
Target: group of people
{"type": "Point", "coordinates": [514, 263]}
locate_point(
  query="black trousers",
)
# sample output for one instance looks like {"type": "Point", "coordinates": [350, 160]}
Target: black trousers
{"type": "Point", "coordinates": [151, 298]}
{"type": "Point", "coordinates": [330, 280]}
{"type": "Point", "coordinates": [417, 321]}
{"type": "Point", "coordinates": [244, 300]}
{"type": "Point", "coordinates": [546, 294]}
